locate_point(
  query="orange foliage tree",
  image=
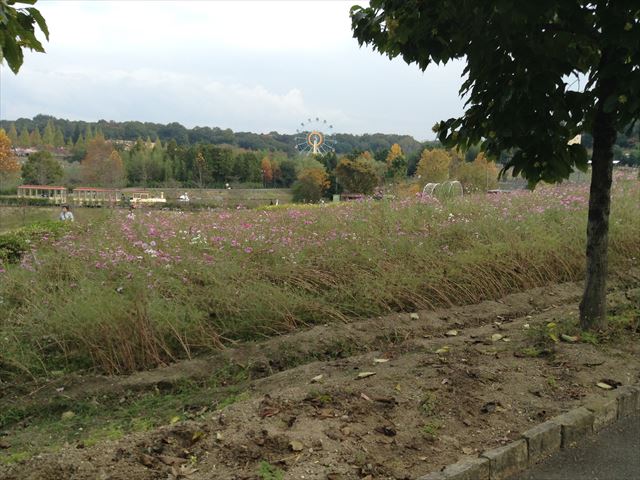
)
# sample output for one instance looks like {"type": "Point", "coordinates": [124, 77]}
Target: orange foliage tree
{"type": "Point", "coordinates": [267, 171]}
{"type": "Point", "coordinates": [9, 166]}
{"type": "Point", "coordinates": [102, 166]}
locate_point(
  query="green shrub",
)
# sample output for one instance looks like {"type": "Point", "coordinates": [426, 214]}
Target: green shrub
{"type": "Point", "coordinates": [30, 202]}
{"type": "Point", "coordinates": [14, 244]}
{"type": "Point", "coordinates": [310, 185]}
{"type": "Point", "coordinates": [12, 247]}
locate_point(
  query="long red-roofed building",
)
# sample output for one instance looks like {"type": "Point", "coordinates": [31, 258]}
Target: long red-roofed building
{"type": "Point", "coordinates": [55, 194]}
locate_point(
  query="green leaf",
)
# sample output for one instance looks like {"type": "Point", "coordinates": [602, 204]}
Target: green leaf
{"type": "Point", "coordinates": [520, 91]}
{"type": "Point", "coordinates": [13, 54]}
{"type": "Point", "coordinates": [29, 40]}
{"type": "Point", "coordinates": [40, 21]}
{"type": "Point", "coordinates": [17, 31]}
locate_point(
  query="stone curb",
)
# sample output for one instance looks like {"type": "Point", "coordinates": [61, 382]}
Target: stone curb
{"type": "Point", "coordinates": [563, 431]}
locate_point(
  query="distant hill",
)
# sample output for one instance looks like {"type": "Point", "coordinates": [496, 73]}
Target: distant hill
{"type": "Point", "coordinates": [273, 141]}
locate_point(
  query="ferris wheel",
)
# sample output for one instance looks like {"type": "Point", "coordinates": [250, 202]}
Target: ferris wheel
{"type": "Point", "coordinates": [315, 137]}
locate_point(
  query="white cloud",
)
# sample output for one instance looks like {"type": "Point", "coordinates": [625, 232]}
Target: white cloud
{"type": "Point", "coordinates": [258, 66]}
{"type": "Point", "coordinates": [170, 96]}
{"type": "Point", "coordinates": [238, 25]}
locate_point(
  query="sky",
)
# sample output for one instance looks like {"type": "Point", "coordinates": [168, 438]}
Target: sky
{"type": "Point", "coordinates": [255, 66]}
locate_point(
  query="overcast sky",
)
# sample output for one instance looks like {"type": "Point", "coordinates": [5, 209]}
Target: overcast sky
{"type": "Point", "coordinates": [249, 66]}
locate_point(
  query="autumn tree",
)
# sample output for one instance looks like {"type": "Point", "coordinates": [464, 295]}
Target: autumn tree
{"type": "Point", "coordinates": [267, 172]}
{"type": "Point", "coordinates": [394, 152]}
{"type": "Point", "coordinates": [330, 160]}
{"type": "Point", "coordinates": [102, 165]}
{"type": "Point", "coordinates": [310, 185]}
{"type": "Point", "coordinates": [9, 166]}
{"type": "Point", "coordinates": [276, 174]}
{"type": "Point", "coordinates": [358, 175]}
{"type": "Point", "coordinates": [434, 165]}
{"type": "Point", "coordinates": [457, 159]}
{"type": "Point", "coordinates": [396, 163]}
{"type": "Point", "coordinates": [477, 176]}
{"type": "Point", "coordinates": [41, 168]}
{"type": "Point", "coordinates": [115, 176]}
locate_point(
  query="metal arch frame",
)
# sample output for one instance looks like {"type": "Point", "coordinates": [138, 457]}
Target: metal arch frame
{"type": "Point", "coordinates": [430, 189]}
{"type": "Point", "coordinates": [456, 183]}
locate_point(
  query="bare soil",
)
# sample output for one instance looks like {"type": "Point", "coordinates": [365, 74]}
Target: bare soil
{"type": "Point", "coordinates": [431, 397]}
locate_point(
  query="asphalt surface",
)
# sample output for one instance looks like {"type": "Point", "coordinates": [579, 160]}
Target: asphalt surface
{"type": "Point", "coordinates": [612, 454]}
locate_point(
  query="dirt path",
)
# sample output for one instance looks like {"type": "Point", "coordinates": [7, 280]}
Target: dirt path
{"type": "Point", "coordinates": [322, 342]}
{"type": "Point", "coordinates": [387, 398]}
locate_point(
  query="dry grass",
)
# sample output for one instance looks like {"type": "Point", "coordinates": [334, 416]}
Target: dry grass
{"type": "Point", "coordinates": [120, 295]}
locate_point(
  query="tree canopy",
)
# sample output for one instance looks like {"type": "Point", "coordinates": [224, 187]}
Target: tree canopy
{"type": "Point", "coordinates": [535, 73]}
{"type": "Point", "coordinates": [42, 169]}
{"type": "Point", "coordinates": [18, 31]}
{"type": "Point", "coordinates": [357, 175]}
{"type": "Point", "coordinates": [8, 163]}
{"type": "Point", "coordinates": [434, 165]}
{"type": "Point", "coordinates": [102, 165]}
{"type": "Point", "coordinates": [311, 185]}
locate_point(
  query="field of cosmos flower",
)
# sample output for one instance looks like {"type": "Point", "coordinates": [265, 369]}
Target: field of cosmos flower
{"type": "Point", "coordinates": [129, 292]}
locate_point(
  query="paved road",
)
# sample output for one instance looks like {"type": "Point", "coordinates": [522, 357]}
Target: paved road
{"type": "Point", "coordinates": [614, 454]}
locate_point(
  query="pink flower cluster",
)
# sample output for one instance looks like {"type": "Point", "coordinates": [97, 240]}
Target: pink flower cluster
{"type": "Point", "coordinates": [167, 239]}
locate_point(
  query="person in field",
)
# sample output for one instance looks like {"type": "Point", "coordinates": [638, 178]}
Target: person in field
{"type": "Point", "coordinates": [66, 215]}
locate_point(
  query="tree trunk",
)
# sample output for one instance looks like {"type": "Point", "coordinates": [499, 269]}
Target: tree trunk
{"type": "Point", "coordinates": [593, 307]}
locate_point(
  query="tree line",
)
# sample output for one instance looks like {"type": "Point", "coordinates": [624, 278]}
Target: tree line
{"type": "Point", "coordinates": [94, 160]}
{"type": "Point", "coordinates": [112, 164]}
{"type": "Point", "coordinates": [26, 132]}
{"type": "Point", "coordinates": [155, 164]}
{"type": "Point", "coordinates": [72, 136]}
{"type": "Point", "coordinates": [393, 172]}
